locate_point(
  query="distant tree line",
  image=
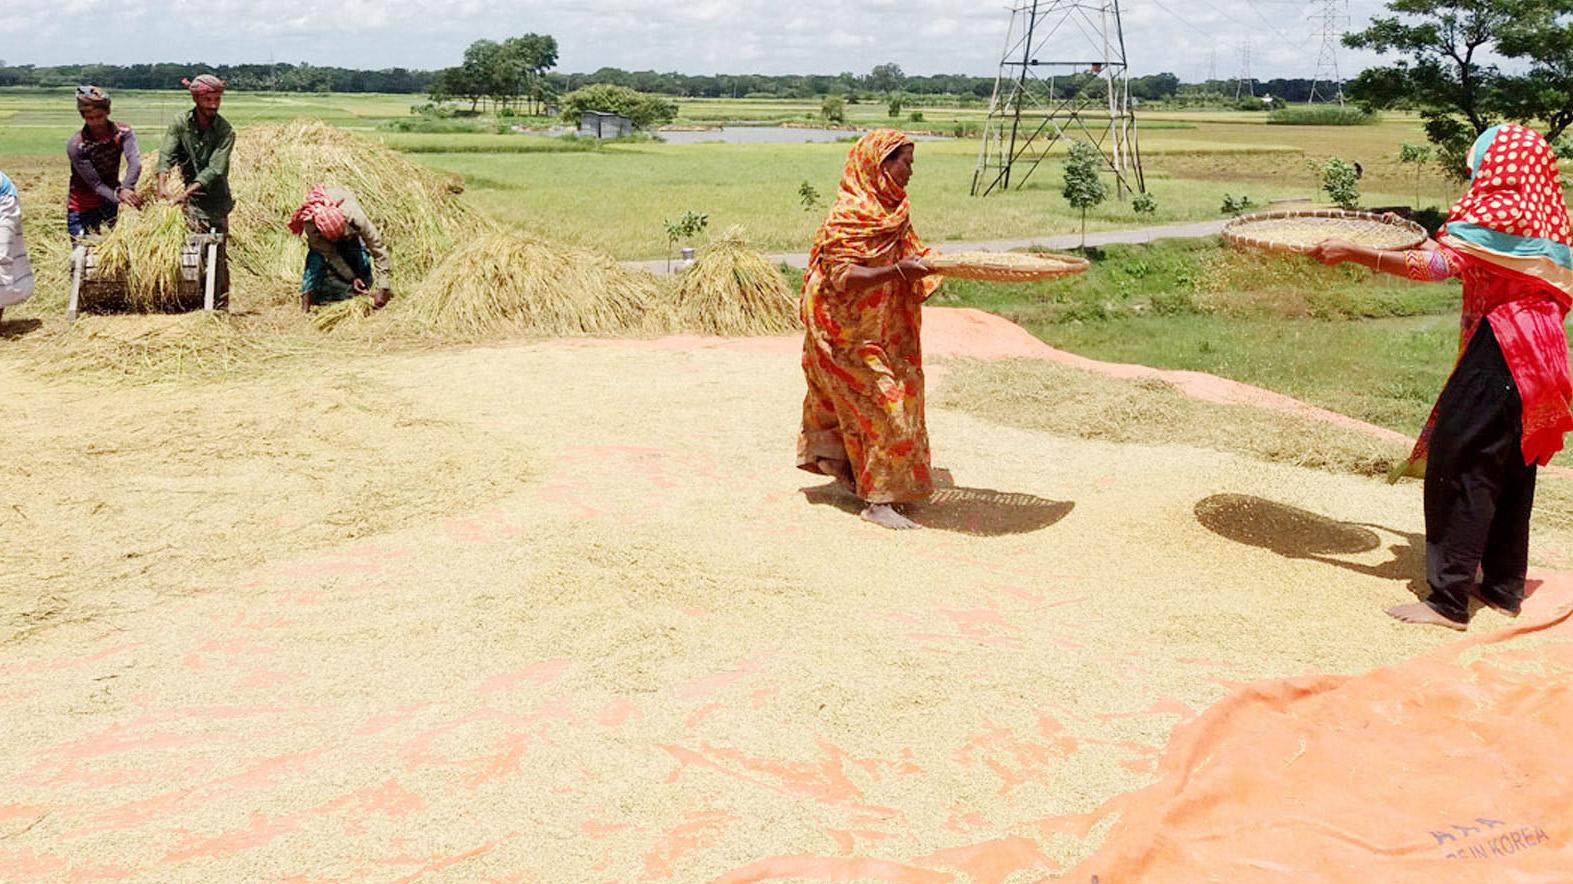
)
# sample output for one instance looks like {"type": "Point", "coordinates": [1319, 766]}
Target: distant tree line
{"type": "Point", "coordinates": [247, 77]}
{"type": "Point", "coordinates": [518, 72]}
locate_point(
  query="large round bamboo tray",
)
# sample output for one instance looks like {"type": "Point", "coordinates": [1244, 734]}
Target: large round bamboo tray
{"type": "Point", "coordinates": [1006, 266]}
{"type": "Point", "coordinates": [1299, 230]}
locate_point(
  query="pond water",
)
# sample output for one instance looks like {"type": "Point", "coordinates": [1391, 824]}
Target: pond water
{"type": "Point", "coordinates": [765, 135]}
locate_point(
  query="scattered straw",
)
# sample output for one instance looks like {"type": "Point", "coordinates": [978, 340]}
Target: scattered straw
{"type": "Point", "coordinates": [730, 289]}
{"type": "Point", "coordinates": [500, 281]}
{"type": "Point", "coordinates": [144, 349]}
{"type": "Point", "coordinates": [330, 316]}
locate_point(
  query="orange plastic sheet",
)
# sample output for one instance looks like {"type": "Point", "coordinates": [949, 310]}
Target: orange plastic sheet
{"type": "Point", "coordinates": [1456, 766]}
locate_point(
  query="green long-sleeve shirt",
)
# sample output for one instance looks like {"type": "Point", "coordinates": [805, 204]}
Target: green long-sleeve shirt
{"type": "Point", "coordinates": [203, 158]}
{"type": "Point", "coordinates": [358, 224]}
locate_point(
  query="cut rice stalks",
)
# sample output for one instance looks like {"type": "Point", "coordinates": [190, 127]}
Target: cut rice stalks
{"type": "Point", "coordinates": [501, 281]}
{"type": "Point", "coordinates": [350, 310]}
{"type": "Point", "coordinates": [731, 289]}
{"type": "Point", "coordinates": [143, 251]}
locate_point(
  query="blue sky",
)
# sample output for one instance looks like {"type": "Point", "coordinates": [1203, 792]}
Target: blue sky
{"type": "Point", "coordinates": [692, 36]}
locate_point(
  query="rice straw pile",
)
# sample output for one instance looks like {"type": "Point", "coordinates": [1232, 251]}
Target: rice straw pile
{"type": "Point", "coordinates": [275, 166]}
{"type": "Point", "coordinates": [143, 250]}
{"type": "Point", "coordinates": [500, 281]}
{"type": "Point", "coordinates": [730, 289]}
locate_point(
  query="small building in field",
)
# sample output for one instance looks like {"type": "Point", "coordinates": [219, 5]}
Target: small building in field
{"type": "Point", "coordinates": [597, 124]}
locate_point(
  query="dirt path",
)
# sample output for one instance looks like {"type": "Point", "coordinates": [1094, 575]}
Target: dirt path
{"type": "Point", "coordinates": [656, 651]}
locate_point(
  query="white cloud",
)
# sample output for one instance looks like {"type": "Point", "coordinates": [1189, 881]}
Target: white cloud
{"type": "Point", "coordinates": [693, 36]}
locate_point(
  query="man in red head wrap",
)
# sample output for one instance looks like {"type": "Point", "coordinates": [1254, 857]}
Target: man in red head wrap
{"type": "Point", "coordinates": [199, 143]}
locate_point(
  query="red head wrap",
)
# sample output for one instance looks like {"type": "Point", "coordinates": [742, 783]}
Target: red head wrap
{"type": "Point", "coordinates": [203, 83]}
{"type": "Point", "coordinates": [322, 212]}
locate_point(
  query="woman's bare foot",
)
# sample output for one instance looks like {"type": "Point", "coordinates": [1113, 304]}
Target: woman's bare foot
{"type": "Point", "coordinates": [1420, 612]}
{"type": "Point", "coordinates": [885, 516]}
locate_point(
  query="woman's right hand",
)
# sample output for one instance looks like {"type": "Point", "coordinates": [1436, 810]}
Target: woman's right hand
{"type": "Point", "coordinates": [1331, 251]}
{"type": "Point", "coordinates": [912, 269]}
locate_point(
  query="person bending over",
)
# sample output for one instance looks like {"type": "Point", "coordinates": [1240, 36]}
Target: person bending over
{"type": "Point", "coordinates": [339, 236]}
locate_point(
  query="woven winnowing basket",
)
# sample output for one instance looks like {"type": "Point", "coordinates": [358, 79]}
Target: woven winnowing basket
{"type": "Point", "coordinates": [1298, 230]}
{"type": "Point", "coordinates": [1006, 266]}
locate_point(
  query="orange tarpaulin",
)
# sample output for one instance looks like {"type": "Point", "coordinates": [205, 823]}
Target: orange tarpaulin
{"type": "Point", "coordinates": [1455, 766]}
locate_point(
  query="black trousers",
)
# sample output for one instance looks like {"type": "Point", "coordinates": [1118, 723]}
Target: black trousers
{"type": "Point", "coordinates": [1478, 490]}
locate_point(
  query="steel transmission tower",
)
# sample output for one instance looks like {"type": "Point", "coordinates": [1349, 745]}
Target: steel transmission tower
{"type": "Point", "coordinates": [1244, 82]}
{"type": "Point", "coordinates": [1062, 76]}
{"type": "Point", "coordinates": [1327, 85]}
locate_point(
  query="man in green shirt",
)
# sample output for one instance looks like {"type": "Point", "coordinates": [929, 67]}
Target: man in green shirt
{"type": "Point", "coordinates": [199, 143]}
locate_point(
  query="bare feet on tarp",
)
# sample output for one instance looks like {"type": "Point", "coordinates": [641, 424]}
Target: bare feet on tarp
{"type": "Point", "coordinates": [885, 516]}
{"type": "Point", "coordinates": [1420, 612]}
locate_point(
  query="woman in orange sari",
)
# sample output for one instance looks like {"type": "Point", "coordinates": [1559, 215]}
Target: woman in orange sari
{"type": "Point", "coordinates": [1505, 408]}
{"type": "Point", "coordinates": [862, 309]}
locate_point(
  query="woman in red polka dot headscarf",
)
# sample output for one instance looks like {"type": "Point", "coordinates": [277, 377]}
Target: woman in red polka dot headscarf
{"type": "Point", "coordinates": [1505, 408]}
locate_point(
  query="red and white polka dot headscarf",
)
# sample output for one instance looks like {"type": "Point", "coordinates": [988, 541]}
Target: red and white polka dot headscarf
{"type": "Point", "coordinates": [1515, 213]}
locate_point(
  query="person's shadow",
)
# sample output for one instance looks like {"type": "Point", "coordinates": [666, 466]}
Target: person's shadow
{"type": "Point", "coordinates": [978, 511]}
{"type": "Point", "coordinates": [1295, 533]}
{"type": "Point", "coordinates": [11, 329]}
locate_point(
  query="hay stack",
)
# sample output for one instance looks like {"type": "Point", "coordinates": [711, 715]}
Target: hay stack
{"type": "Point", "coordinates": [143, 249]}
{"type": "Point", "coordinates": [730, 289]}
{"type": "Point", "coordinates": [507, 281]}
{"type": "Point", "coordinates": [275, 166]}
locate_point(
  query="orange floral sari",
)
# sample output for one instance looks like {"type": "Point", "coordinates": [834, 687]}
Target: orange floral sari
{"type": "Point", "coordinates": [863, 416]}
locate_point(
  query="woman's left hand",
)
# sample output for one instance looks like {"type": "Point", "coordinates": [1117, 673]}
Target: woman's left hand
{"type": "Point", "coordinates": [912, 269]}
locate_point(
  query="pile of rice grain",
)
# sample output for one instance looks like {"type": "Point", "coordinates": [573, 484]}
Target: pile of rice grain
{"type": "Point", "coordinates": [730, 289]}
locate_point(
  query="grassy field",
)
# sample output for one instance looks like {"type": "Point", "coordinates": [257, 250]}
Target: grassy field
{"type": "Point", "coordinates": [1191, 159]}
{"type": "Point", "coordinates": [1375, 348]}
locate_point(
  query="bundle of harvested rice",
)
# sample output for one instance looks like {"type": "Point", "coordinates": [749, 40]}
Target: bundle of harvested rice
{"type": "Point", "coordinates": [275, 166]}
{"type": "Point", "coordinates": [730, 289]}
{"type": "Point", "coordinates": [143, 250]}
{"type": "Point", "coordinates": [330, 316]}
{"type": "Point", "coordinates": [499, 281]}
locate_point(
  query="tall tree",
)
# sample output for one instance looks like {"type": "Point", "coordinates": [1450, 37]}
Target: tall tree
{"type": "Point", "coordinates": [1444, 73]}
{"type": "Point", "coordinates": [527, 58]}
{"type": "Point", "coordinates": [886, 77]}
